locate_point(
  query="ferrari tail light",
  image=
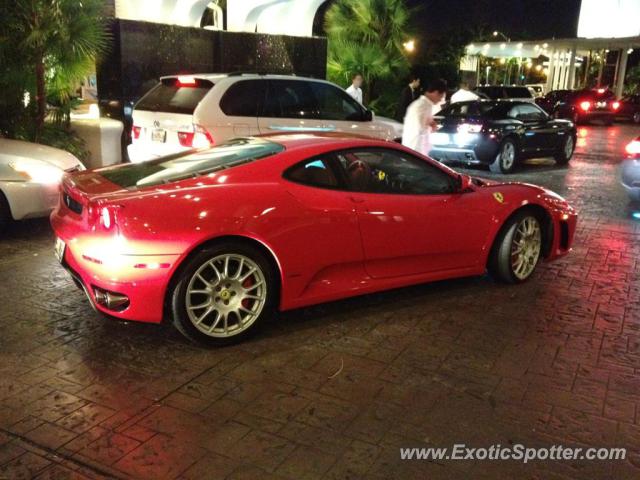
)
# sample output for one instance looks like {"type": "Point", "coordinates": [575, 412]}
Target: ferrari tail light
{"type": "Point", "coordinates": [633, 147]}
{"type": "Point", "coordinates": [585, 105]}
{"type": "Point", "coordinates": [135, 132]}
{"type": "Point", "coordinates": [615, 105]}
{"type": "Point", "coordinates": [199, 138]}
{"type": "Point", "coordinates": [106, 218]}
{"type": "Point", "coordinates": [602, 90]}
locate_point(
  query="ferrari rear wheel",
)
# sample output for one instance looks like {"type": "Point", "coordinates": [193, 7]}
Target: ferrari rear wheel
{"type": "Point", "coordinates": [506, 160]}
{"type": "Point", "coordinates": [223, 293]}
{"type": "Point", "coordinates": [517, 249]}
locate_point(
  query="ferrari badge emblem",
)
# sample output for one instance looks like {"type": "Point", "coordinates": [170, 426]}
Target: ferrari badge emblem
{"type": "Point", "coordinates": [381, 175]}
{"type": "Point", "coordinates": [499, 197]}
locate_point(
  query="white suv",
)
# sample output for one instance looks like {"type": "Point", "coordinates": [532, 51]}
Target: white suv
{"type": "Point", "coordinates": [184, 112]}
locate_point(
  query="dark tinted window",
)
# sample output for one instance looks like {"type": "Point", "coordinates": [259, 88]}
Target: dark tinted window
{"type": "Point", "coordinates": [291, 99]}
{"type": "Point", "coordinates": [315, 172]}
{"type": "Point", "coordinates": [192, 163]}
{"type": "Point", "coordinates": [527, 113]}
{"type": "Point", "coordinates": [388, 171]}
{"type": "Point", "coordinates": [517, 92]}
{"type": "Point", "coordinates": [244, 98]}
{"type": "Point", "coordinates": [174, 97]}
{"type": "Point", "coordinates": [335, 103]}
{"type": "Point", "coordinates": [492, 92]}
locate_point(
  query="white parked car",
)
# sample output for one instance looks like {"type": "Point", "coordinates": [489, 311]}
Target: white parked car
{"type": "Point", "coordinates": [30, 175]}
{"type": "Point", "coordinates": [184, 112]}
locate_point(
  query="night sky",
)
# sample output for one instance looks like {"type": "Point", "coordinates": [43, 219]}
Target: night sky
{"type": "Point", "coordinates": [518, 19]}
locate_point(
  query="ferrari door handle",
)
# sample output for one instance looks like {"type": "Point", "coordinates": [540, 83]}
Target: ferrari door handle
{"type": "Point", "coordinates": [357, 200]}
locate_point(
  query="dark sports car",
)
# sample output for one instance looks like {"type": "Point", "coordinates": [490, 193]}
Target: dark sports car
{"type": "Point", "coordinates": [581, 106]}
{"type": "Point", "coordinates": [500, 134]}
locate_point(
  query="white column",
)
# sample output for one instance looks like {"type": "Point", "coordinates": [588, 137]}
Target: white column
{"type": "Point", "coordinates": [572, 68]}
{"type": "Point", "coordinates": [551, 72]}
{"type": "Point", "coordinates": [622, 70]}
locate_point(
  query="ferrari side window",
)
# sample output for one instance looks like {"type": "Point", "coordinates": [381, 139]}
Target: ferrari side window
{"type": "Point", "coordinates": [389, 171]}
{"type": "Point", "coordinates": [315, 173]}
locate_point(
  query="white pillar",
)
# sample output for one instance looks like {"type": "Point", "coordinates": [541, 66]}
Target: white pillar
{"type": "Point", "coordinates": [572, 68]}
{"type": "Point", "coordinates": [551, 72]}
{"type": "Point", "coordinates": [622, 70]}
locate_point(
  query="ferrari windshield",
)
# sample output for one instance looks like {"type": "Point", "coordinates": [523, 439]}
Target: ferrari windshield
{"type": "Point", "coordinates": [192, 163]}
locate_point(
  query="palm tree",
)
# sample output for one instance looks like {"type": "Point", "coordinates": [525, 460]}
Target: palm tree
{"type": "Point", "coordinates": [366, 36]}
{"type": "Point", "coordinates": [59, 40]}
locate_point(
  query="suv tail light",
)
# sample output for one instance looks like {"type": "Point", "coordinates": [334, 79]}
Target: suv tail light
{"type": "Point", "coordinates": [199, 138]}
{"type": "Point", "coordinates": [615, 105]}
{"type": "Point", "coordinates": [135, 132]}
{"type": "Point", "coordinates": [585, 106]}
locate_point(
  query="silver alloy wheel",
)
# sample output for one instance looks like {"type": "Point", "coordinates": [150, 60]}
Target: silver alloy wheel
{"type": "Point", "coordinates": [508, 155]}
{"type": "Point", "coordinates": [525, 247]}
{"type": "Point", "coordinates": [226, 295]}
{"type": "Point", "coordinates": [568, 148]}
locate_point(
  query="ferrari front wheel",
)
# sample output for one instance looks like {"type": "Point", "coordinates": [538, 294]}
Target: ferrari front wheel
{"type": "Point", "coordinates": [517, 249]}
{"type": "Point", "coordinates": [223, 294]}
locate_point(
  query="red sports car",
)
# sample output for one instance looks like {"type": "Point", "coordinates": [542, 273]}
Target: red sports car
{"type": "Point", "coordinates": [218, 239]}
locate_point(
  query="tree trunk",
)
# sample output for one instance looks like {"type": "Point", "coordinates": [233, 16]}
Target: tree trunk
{"type": "Point", "coordinates": [41, 96]}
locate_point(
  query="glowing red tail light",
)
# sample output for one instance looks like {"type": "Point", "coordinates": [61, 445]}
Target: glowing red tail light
{"type": "Point", "coordinates": [633, 148]}
{"type": "Point", "coordinates": [186, 81]}
{"type": "Point", "coordinates": [135, 132]}
{"type": "Point", "coordinates": [585, 105]}
{"type": "Point", "coordinates": [601, 90]}
{"type": "Point", "coordinates": [199, 138]}
{"type": "Point", "coordinates": [185, 138]}
{"type": "Point", "coordinates": [615, 105]}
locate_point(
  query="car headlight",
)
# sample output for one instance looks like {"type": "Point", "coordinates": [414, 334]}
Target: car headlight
{"type": "Point", "coordinates": [37, 171]}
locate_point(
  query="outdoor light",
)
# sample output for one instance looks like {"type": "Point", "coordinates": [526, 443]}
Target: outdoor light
{"type": "Point", "coordinates": [495, 33]}
{"type": "Point", "coordinates": [545, 71]}
{"type": "Point", "coordinates": [519, 45]}
{"type": "Point", "coordinates": [630, 51]}
{"type": "Point", "coordinates": [502, 61]}
{"type": "Point", "coordinates": [503, 46]}
{"type": "Point", "coordinates": [545, 45]}
{"type": "Point", "coordinates": [409, 45]}
{"type": "Point", "coordinates": [538, 67]}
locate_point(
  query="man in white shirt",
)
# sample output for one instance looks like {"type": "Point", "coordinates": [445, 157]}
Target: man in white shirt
{"type": "Point", "coordinates": [463, 94]}
{"type": "Point", "coordinates": [354, 89]}
{"type": "Point", "coordinates": [419, 122]}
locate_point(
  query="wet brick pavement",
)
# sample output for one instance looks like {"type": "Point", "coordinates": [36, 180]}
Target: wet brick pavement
{"type": "Point", "coordinates": [333, 391]}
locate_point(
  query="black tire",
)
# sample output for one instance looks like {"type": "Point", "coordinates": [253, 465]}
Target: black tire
{"type": "Point", "coordinates": [565, 152]}
{"type": "Point", "coordinates": [5, 213]}
{"type": "Point", "coordinates": [500, 263]}
{"type": "Point", "coordinates": [502, 164]}
{"type": "Point", "coordinates": [182, 320]}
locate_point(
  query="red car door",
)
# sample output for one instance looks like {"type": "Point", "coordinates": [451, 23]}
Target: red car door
{"type": "Point", "coordinates": [412, 218]}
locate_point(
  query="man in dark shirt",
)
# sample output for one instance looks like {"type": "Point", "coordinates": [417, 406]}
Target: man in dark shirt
{"type": "Point", "coordinates": [410, 93]}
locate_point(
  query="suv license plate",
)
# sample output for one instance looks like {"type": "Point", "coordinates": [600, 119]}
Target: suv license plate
{"type": "Point", "coordinates": [159, 135]}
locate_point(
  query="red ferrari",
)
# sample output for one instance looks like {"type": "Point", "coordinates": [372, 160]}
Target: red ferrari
{"type": "Point", "coordinates": [218, 239]}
